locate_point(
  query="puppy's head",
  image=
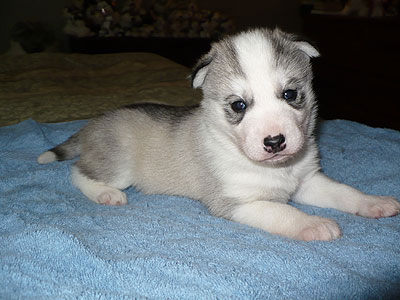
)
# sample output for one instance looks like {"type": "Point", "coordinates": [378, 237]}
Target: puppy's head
{"type": "Point", "coordinates": [257, 89]}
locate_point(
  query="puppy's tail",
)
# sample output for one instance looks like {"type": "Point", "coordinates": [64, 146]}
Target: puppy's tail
{"type": "Point", "coordinates": [67, 150]}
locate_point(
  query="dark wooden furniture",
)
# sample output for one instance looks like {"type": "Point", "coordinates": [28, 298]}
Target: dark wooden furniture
{"type": "Point", "coordinates": [185, 51]}
{"type": "Point", "coordinates": [358, 75]}
{"type": "Point", "coordinates": [356, 78]}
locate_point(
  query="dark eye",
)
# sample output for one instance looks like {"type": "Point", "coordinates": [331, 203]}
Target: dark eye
{"type": "Point", "coordinates": [289, 95]}
{"type": "Point", "coordinates": [239, 106]}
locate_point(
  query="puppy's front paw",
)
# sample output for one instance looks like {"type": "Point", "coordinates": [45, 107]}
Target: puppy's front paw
{"type": "Point", "coordinates": [112, 197]}
{"type": "Point", "coordinates": [379, 207]}
{"type": "Point", "coordinates": [317, 228]}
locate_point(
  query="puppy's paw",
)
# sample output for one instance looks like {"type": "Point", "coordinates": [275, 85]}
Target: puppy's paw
{"type": "Point", "coordinates": [317, 228]}
{"type": "Point", "coordinates": [112, 197]}
{"type": "Point", "coordinates": [379, 207]}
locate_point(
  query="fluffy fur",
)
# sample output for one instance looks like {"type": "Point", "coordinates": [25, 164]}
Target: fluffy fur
{"type": "Point", "coordinates": [243, 152]}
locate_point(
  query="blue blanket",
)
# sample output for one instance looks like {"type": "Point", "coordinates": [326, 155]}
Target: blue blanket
{"type": "Point", "coordinates": [56, 244]}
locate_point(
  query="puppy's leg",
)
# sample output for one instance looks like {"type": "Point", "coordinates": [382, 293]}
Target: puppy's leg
{"type": "Point", "coordinates": [285, 220]}
{"type": "Point", "coordinates": [319, 190]}
{"type": "Point", "coordinates": [97, 191]}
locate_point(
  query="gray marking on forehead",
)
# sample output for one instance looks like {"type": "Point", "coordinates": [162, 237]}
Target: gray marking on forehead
{"type": "Point", "coordinates": [226, 61]}
{"type": "Point", "coordinates": [221, 65]}
{"type": "Point", "coordinates": [222, 68]}
{"type": "Point", "coordinates": [295, 64]}
{"type": "Point", "coordinates": [231, 56]}
{"type": "Point", "coordinates": [288, 56]}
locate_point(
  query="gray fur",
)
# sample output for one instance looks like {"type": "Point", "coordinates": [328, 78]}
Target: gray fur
{"type": "Point", "coordinates": [294, 61]}
{"type": "Point", "coordinates": [164, 113]}
{"type": "Point", "coordinates": [69, 149]}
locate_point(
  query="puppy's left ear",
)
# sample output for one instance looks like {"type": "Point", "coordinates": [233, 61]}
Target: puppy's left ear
{"type": "Point", "coordinates": [201, 69]}
{"type": "Point", "coordinates": [308, 49]}
{"type": "Point", "coordinates": [300, 42]}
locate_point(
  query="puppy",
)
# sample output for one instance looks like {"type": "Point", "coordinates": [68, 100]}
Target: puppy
{"type": "Point", "coordinates": [243, 152]}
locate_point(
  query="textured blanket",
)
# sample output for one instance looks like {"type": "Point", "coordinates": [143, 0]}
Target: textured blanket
{"type": "Point", "coordinates": [56, 244]}
{"type": "Point", "coordinates": [58, 87]}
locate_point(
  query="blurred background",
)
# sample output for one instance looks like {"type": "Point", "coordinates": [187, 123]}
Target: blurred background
{"type": "Point", "coordinates": [356, 78]}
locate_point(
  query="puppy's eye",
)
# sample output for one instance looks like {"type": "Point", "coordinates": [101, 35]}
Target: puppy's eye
{"type": "Point", "coordinates": [289, 95]}
{"type": "Point", "coordinates": [239, 106]}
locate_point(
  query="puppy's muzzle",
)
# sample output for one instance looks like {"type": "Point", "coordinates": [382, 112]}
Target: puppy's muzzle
{"type": "Point", "coordinates": [274, 144]}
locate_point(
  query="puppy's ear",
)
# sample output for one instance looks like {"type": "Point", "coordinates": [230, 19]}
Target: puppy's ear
{"type": "Point", "coordinates": [308, 49]}
{"type": "Point", "coordinates": [200, 70]}
{"type": "Point", "coordinates": [301, 43]}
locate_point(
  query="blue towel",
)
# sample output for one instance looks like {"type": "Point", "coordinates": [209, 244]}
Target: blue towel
{"type": "Point", "coordinates": [56, 244]}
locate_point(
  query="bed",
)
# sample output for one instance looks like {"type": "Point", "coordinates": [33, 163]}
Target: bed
{"type": "Point", "coordinates": [57, 87]}
{"type": "Point", "coordinates": [56, 244]}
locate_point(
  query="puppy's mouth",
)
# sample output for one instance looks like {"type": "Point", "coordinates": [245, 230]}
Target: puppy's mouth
{"type": "Point", "coordinates": [273, 155]}
{"type": "Point", "coordinates": [278, 157]}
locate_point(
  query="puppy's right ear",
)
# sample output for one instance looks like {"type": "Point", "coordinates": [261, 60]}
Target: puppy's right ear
{"type": "Point", "coordinates": [200, 70]}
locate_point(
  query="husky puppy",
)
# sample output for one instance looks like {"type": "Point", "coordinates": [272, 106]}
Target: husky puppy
{"type": "Point", "coordinates": [243, 152]}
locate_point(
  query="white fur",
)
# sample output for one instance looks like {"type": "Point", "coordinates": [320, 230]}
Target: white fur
{"type": "Point", "coordinates": [96, 191]}
{"type": "Point", "coordinates": [46, 157]}
{"type": "Point", "coordinates": [255, 59]}
{"type": "Point", "coordinates": [254, 185]}
{"type": "Point", "coordinates": [285, 220]}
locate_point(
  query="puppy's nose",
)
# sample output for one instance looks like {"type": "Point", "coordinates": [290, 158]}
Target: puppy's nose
{"type": "Point", "coordinates": [274, 144]}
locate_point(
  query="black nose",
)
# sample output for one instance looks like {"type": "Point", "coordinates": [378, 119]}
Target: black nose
{"type": "Point", "coordinates": [274, 144]}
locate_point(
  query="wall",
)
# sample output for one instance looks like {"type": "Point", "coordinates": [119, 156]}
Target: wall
{"type": "Point", "coordinates": [250, 13]}
{"type": "Point", "coordinates": [13, 11]}
{"type": "Point", "coordinates": [247, 13]}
